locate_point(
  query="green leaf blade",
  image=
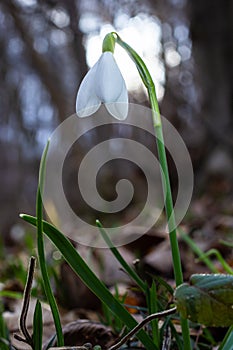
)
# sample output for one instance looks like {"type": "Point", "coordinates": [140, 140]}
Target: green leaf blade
{"type": "Point", "coordinates": [89, 278]}
{"type": "Point", "coordinates": [120, 258]}
{"type": "Point", "coordinates": [37, 327]}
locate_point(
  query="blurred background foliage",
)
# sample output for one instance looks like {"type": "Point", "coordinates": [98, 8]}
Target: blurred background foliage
{"type": "Point", "coordinates": [46, 48]}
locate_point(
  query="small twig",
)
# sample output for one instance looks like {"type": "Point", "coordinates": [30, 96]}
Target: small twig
{"type": "Point", "coordinates": [19, 338]}
{"type": "Point", "coordinates": [140, 325]}
{"type": "Point", "coordinates": [26, 299]}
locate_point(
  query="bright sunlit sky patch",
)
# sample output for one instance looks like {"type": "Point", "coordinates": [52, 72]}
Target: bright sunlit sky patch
{"type": "Point", "coordinates": [143, 33]}
{"type": "Point", "coordinates": [27, 2]}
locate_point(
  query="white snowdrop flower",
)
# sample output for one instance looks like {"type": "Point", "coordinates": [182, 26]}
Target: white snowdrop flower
{"type": "Point", "coordinates": [103, 84]}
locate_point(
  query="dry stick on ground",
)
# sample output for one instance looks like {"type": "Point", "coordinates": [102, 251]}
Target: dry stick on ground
{"type": "Point", "coordinates": [26, 299]}
{"type": "Point", "coordinates": [140, 325]}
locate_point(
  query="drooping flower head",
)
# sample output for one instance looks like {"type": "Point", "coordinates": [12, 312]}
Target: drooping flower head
{"type": "Point", "coordinates": [103, 84]}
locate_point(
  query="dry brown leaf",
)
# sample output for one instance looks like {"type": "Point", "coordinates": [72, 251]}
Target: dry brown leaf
{"type": "Point", "coordinates": [84, 331]}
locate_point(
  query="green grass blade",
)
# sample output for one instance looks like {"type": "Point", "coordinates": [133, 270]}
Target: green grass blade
{"type": "Point", "coordinates": [37, 327]}
{"type": "Point", "coordinates": [41, 253]}
{"type": "Point", "coordinates": [120, 258]}
{"type": "Point", "coordinates": [89, 278]}
{"type": "Point", "coordinates": [4, 339]}
{"type": "Point", "coordinates": [11, 294]}
{"type": "Point", "coordinates": [153, 308]}
{"type": "Point", "coordinates": [197, 251]}
{"type": "Point", "coordinates": [228, 340]}
{"type": "Point", "coordinates": [220, 258]}
{"type": "Point", "coordinates": [227, 244]}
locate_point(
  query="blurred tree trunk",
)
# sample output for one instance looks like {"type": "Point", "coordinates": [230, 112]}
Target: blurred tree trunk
{"type": "Point", "coordinates": [18, 173]}
{"type": "Point", "coordinates": [212, 36]}
{"type": "Point", "coordinates": [52, 80]}
{"type": "Point", "coordinates": [79, 50]}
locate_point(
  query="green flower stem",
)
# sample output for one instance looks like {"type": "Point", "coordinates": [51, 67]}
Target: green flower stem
{"type": "Point", "coordinates": [169, 206]}
{"type": "Point", "coordinates": [148, 82]}
{"type": "Point", "coordinates": [41, 254]}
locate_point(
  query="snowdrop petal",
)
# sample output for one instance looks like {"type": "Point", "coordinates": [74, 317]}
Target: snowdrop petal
{"type": "Point", "coordinates": [103, 83]}
{"type": "Point", "coordinates": [119, 109]}
{"type": "Point", "coordinates": [87, 102]}
{"type": "Point", "coordinates": [108, 79]}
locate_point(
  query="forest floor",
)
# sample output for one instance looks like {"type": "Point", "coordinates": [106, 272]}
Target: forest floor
{"type": "Point", "coordinates": [209, 223]}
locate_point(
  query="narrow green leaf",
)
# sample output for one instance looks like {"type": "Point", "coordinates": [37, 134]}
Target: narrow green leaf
{"type": "Point", "coordinates": [41, 253]}
{"type": "Point", "coordinates": [220, 258]}
{"type": "Point", "coordinates": [89, 278]}
{"type": "Point", "coordinates": [153, 308]}
{"type": "Point", "coordinates": [120, 258]}
{"type": "Point", "coordinates": [4, 339]}
{"type": "Point", "coordinates": [228, 340]}
{"type": "Point", "coordinates": [37, 327]}
{"type": "Point", "coordinates": [11, 294]}
{"type": "Point", "coordinates": [185, 237]}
